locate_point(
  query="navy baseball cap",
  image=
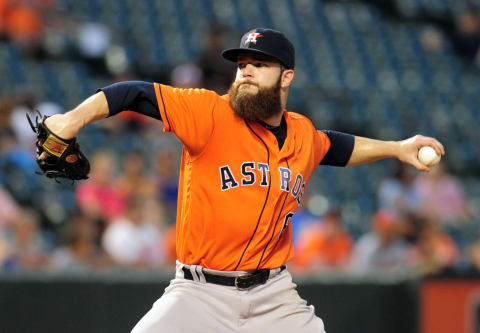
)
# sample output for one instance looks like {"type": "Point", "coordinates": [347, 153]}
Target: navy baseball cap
{"type": "Point", "coordinates": [265, 41]}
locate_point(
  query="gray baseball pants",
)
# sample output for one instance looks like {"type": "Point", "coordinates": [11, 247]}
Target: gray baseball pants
{"type": "Point", "coordinates": [199, 307]}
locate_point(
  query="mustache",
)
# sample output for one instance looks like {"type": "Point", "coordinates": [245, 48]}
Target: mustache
{"type": "Point", "coordinates": [247, 82]}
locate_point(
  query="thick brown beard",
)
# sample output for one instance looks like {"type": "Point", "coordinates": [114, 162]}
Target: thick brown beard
{"type": "Point", "coordinates": [260, 106]}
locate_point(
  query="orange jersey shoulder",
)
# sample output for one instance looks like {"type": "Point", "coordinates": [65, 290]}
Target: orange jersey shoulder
{"type": "Point", "coordinates": [320, 141]}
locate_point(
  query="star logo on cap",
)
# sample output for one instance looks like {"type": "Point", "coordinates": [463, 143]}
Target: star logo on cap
{"type": "Point", "coordinates": [252, 37]}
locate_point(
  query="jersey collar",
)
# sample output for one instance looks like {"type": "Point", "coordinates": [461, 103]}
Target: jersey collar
{"type": "Point", "coordinates": [288, 145]}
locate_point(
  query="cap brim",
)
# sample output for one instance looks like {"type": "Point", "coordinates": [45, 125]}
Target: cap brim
{"type": "Point", "coordinates": [232, 54]}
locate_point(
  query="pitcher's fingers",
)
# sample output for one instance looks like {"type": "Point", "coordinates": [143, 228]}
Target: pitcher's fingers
{"type": "Point", "coordinates": [419, 165]}
{"type": "Point", "coordinates": [439, 148]}
{"type": "Point", "coordinates": [436, 145]}
{"type": "Point", "coordinates": [43, 156]}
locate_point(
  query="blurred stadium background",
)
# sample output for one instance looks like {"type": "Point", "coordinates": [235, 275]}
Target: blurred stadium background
{"type": "Point", "coordinates": [381, 69]}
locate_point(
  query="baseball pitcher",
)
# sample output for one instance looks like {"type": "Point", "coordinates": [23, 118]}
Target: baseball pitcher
{"type": "Point", "coordinates": [245, 166]}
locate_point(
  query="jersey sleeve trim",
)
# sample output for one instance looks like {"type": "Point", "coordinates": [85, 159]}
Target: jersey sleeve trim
{"type": "Point", "coordinates": [340, 150]}
{"type": "Point", "coordinates": [163, 110]}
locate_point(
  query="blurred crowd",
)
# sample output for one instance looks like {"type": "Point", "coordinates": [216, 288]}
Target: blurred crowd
{"type": "Point", "coordinates": [123, 216]}
{"type": "Point", "coordinates": [120, 217]}
{"type": "Point", "coordinates": [408, 233]}
{"type": "Point", "coordinates": [446, 26]}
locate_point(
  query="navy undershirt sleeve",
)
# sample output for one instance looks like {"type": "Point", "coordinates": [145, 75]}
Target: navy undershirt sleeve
{"type": "Point", "coordinates": [341, 148]}
{"type": "Point", "coordinates": [138, 96]}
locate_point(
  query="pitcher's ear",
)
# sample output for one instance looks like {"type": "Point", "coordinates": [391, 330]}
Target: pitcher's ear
{"type": "Point", "coordinates": [287, 77]}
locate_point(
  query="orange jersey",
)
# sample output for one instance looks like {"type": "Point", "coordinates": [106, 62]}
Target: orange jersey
{"type": "Point", "coordinates": [237, 190]}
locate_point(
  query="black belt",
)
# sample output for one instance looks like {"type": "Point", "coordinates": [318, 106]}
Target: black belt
{"type": "Point", "coordinates": [246, 281]}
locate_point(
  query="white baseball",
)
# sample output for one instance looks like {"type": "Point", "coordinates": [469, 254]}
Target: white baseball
{"type": "Point", "coordinates": [428, 156]}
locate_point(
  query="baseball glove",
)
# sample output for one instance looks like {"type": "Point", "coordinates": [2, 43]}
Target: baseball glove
{"type": "Point", "coordinates": [64, 158]}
